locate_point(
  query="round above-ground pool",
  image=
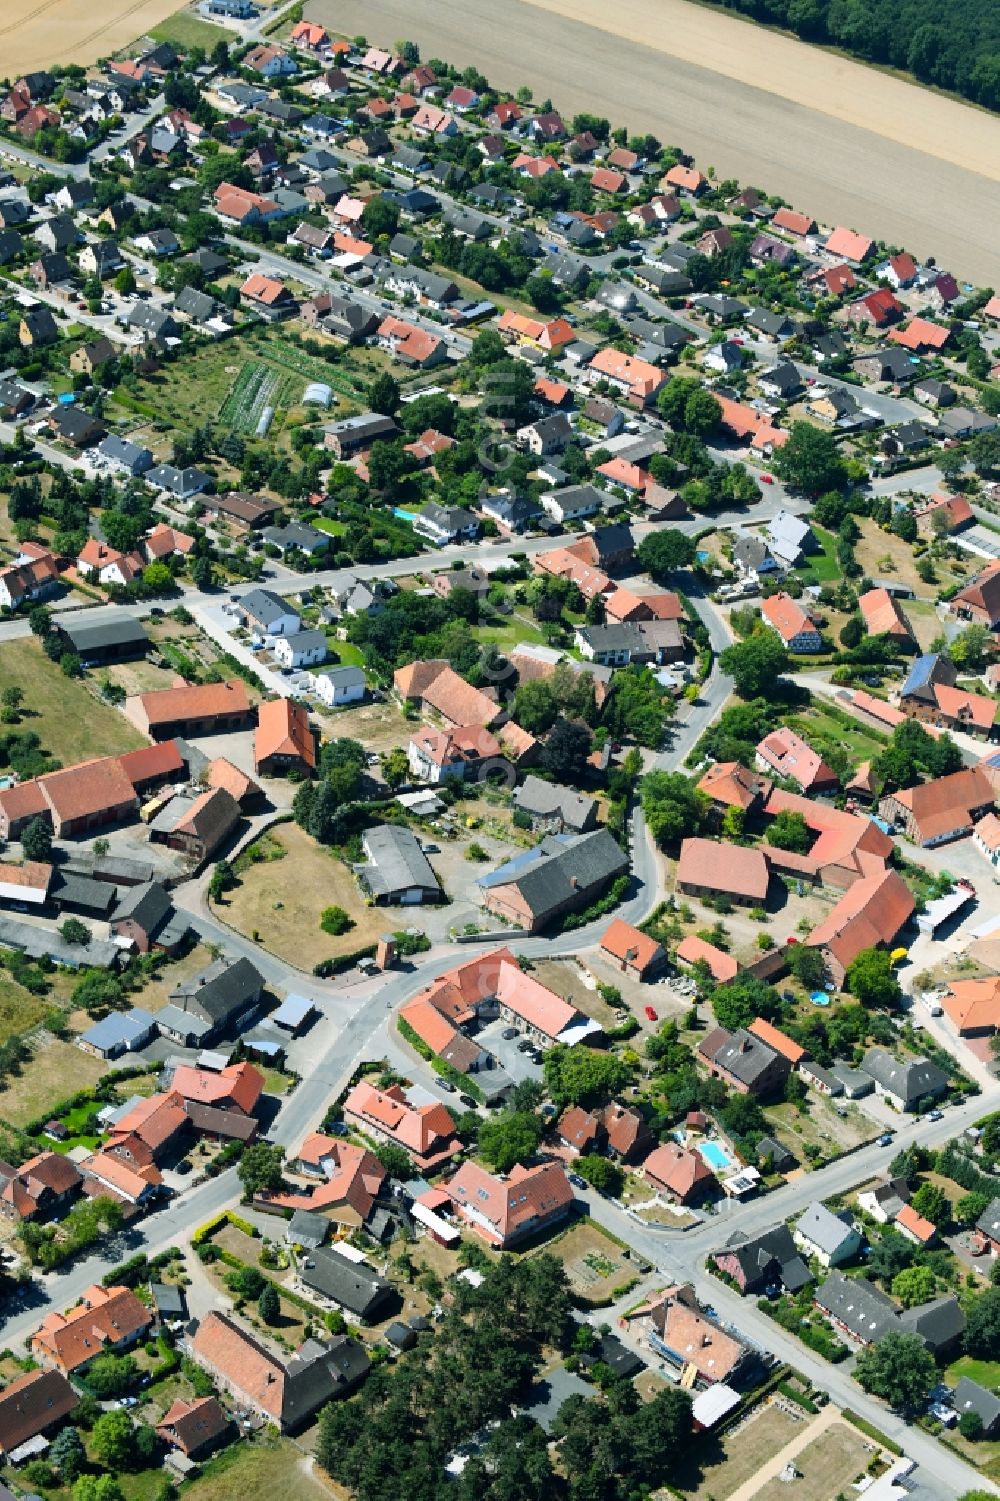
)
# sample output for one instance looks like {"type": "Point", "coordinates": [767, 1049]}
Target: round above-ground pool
{"type": "Point", "coordinates": [820, 998]}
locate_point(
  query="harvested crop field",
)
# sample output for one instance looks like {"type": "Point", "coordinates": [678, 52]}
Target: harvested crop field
{"type": "Point", "coordinates": [756, 105]}
{"type": "Point", "coordinates": [35, 35]}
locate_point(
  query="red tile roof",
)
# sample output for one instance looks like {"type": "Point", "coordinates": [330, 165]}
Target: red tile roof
{"type": "Point", "coordinates": [105, 1316]}
{"type": "Point", "coordinates": [283, 730]}
{"type": "Point", "coordinates": [723, 868]}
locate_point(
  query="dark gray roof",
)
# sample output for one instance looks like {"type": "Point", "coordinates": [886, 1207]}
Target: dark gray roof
{"type": "Point", "coordinates": [351, 1284]}
{"type": "Point", "coordinates": [560, 870]}
{"type": "Point", "coordinates": [95, 898]}
{"type": "Point", "coordinates": [824, 1229]}
{"type": "Point", "coordinates": [772, 1253]}
{"type": "Point", "coordinates": [396, 862]}
{"type": "Point", "coordinates": [547, 798]}
{"type": "Point", "coordinates": [120, 629]}
{"type": "Point", "coordinates": [859, 1306]}
{"type": "Point", "coordinates": [743, 1055]}
{"type": "Point", "coordinates": [971, 1397]}
{"type": "Point", "coordinates": [148, 906]}
{"type": "Point", "coordinates": [169, 1299]}
{"type": "Point", "coordinates": [910, 1081]}
{"type": "Point", "coordinates": [939, 1322]}
{"type": "Point", "coordinates": [265, 606]}
{"type": "Point", "coordinates": [222, 991]}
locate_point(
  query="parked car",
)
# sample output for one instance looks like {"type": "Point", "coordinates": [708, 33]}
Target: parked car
{"type": "Point", "coordinates": [468, 1101]}
{"type": "Point", "coordinates": [446, 1085]}
{"type": "Point", "coordinates": [509, 1033]}
{"type": "Point", "coordinates": [651, 1014]}
{"type": "Point", "coordinates": [935, 1115]}
{"type": "Point", "coordinates": [577, 1181]}
{"type": "Point", "coordinates": [886, 1139]}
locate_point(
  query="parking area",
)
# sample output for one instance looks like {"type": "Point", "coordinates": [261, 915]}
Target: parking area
{"type": "Point", "coordinates": [507, 1052]}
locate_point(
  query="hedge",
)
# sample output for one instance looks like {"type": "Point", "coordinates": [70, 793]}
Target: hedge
{"type": "Point", "coordinates": [227, 1217]}
{"type": "Point", "coordinates": [870, 1429]}
{"type": "Point", "coordinates": [327, 967]}
{"type": "Point", "coordinates": [410, 1036]}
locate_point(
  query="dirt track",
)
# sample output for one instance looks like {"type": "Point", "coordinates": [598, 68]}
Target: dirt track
{"type": "Point", "coordinates": [36, 33]}
{"type": "Point", "coordinates": [919, 170]}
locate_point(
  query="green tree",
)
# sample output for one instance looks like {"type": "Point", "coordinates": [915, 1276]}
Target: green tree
{"type": "Point", "coordinates": [158, 579]}
{"type": "Point", "coordinates": [36, 840]}
{"type": "Point", "coordinates": [606, 1176]}
{"type": "Point", "coordinates": [982, 1325]}
{"type": "Point", "coordinates": [672, 805]}
{"type": "Point", "coordinates": [737, 1003]}
{"type": "Point", "coordinates": [970, 1426]}
{"type": "Point", "coordinates": [789, 831]}
{"type": "Point", "coordinates": [807, 965]}
{"type": "Point", "coordinates": [509, 1138]}
{"type": "Point", "coordinates": [74, 931]}
{"type": "Point", "coordinates": [811, 460]}
{"type": "Point", "coordinates": [111, 1440]}
{"type": "Point", "coordinates": [269, 1304]}
{"type": "Point", "coordinates": [111, 1376]}
{"type": "Point", "coordinates": [70, 665]}
{"type": "Point", "coordinates": [566, 749]}
{"type": "Point", "coordinates": [899, 1368]}
{"type": "Point", "coordinates": [663, 552]}
{"type": "Point", "coordinates": [335, 920]}
{"type": "Point", "coordinates": [932, 1202]}
{"type": "Point", "coordinates": [97, 1488]}
{"type": "Point", "coordinates": [871, 980]}
{"type": "Point", "coordinates": [383, 394]}
{"type": "Point", "coordinates": [968, 649]}
{"type": "Point", "coordinates": [203, 574]}
{"type": "Point", "coordinates": [971, 1207]}
{"type": "Point", "coordinates": [913, 1286]}
{"type": "Point", "coordinates": [395, 767]}
{"type": "Point", "coordinates": [755, 665]}
{"type": "Point", "coordinates": [395, 1161]}
{"type": "Point", "coordinates": [67, 1453]}
{"type": "Point", "coordinates": [583, 1076]}
{"type": "Point", "coordinates": [260, 1169]}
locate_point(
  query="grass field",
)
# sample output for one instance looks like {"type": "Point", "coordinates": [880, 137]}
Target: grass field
{"type": "Point", "coordinates": [19, 1009]}
{"type": "Point", "coordinates": [822, 567]}
{"type": "Point", "coordinates": [986, 1372]}
{"type": "Point", "coordinates": [308, 879]}
{"type": "Point", "coordinates": [185, 30]}
{"type": "Point", "coordinates": [269, 1469]}
{"type": "Point", "coordinates": [70, 720]}
{"type": "Point", "coordinates": [738, 1459]}
{"type": "Point", "coordinates": [824, 729]}
{"type": "Point", "coordinates": [54, 1073]}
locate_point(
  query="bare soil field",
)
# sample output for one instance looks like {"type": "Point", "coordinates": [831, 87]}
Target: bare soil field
{"type": "Point", "coordinates": [35, 35]}
{"type": "Point", "coordinates": [753, 104]}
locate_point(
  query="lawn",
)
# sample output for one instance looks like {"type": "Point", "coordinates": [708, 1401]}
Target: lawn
{"type": "Point", "coordinates": [56, 1071]}
{"type": "Point", "coordinates": [595, 1264]}
{"type": "Point", "coordinates": [985, 1372]}
{"type": "Point", "coordinates": [332, 528]}
{"type": "Point", "coordinates": [71, 722]}
{"type": "Point", "coordinates": [884, 555]}
{"type": "Point", "coordinates": [820, 1126]}
{"type": "Point", "coordinates": [19, 1009]}
{"type": "Point", "coordinates": [185, 30]}
{"type": "Point", "coordinates": [725, 1467]}
{"type": "Point", "coordinates": [155, 995]}
{"type": "Point", "coordinates": [269, 1469]}
{"type": "Point", "coordinates": [829, 1466]}
{"type": "Point", "coordinates": [824, 726]}
{"type": "Point", "coordinates": [822, 567]}
{"type": "Point", "coordinates": [308, 879]}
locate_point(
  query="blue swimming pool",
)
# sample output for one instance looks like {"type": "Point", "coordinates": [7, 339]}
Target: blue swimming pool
{"type": "Point", "coordinates": [820, 998]}
{"type": "Point", "coordinates": [716, 1155]}
{"type": "Point", "coordinates": [703, 557]}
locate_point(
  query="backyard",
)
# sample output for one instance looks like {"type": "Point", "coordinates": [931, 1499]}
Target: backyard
{"type": "Point", "coordinates": [55, 1070]}
{"type": "Point", "coordinates": [596, 1265]}
{"type": "Point", "coordinates": [269, 1469]}
{"type": "Point", "coordinates": [827, 729]}
{"type": "Point", "coordinates": [72, 722]}
{"type": "Point", "coordinates": [819, 1127]}
{"type": "Point", "coordinates": [309, 879]}
{"type": "Point", "coordinates": [719, 1468]}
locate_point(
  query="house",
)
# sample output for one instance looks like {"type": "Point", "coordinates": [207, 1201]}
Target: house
{"type": "Point", "coordinates": [285, 1392]}
{"type": "Point", "coordinates": [425, 1132]}
{"type": "Point", "coordinates": [31, 1406]}
{"type": "Point", "coordinates": [870, 915]}
{"type": "Point", "coordinates": [414, 347]}
{"type": "Point", "coordinates": [106, 1319]}
{"type": "Point", "coordinates": [76, 427]}
{"type": "Point", "coordinates": [263, 611]}
{"type": "Point", "coordinates": [37, 328]}
{"type": "Point", "coordinates": [446, 525]}
{"type": "Point", "coordinates": [145, 916]}
{"type": "Point", "coordinates": [396, 871]}
{"type": "Point", "coordinates": [786, 616]}
{"type": "Point", "coordinates": [352, 435]}
{"type": "Point", "coordinates": [28, 579]}
{"type": "Point", "coordinates": [196, 1428]}
{"type": "Point", "coordinates": [579, 1132]}
{"type": "Point", "coordinates": [885, 1201]}
{"type": "Point", "coordinates": [832, 1239]}
{"type": "Point", "coordinates": [707, 868]}
{"type": "Point", "coordinates": [974, 1005]}
{"type": "Point", "coordinates": [628, 1135]}
{"type": "Point", "coordinates": [573, 503]}
{"type": "Point", "coordinates": [905, 1085]}
{"type": "Point", "coordinates": [777, 1041]}
{"type": "Point", "coordinates": [936, 812]}
{"type": "Point", "coordinates": [857, 1308]}
{"type": "Point", "coordinates": [190, 711]}
{"type": "Point", "coordinates": [695, 1345]}
{"type": "Point", "coordinates": [196, 825]}
{"type": "Point", "coordinates": [921, 336]}
{"type": "Point", "coordinates": [339, 685]}
{"type": "Point", "coordinates": [743, 1061]}
{"type": "Point", "coordinates": [789, 538]}
{"type": "Point", "coordinates": [436, 688]}
{"type": "Point", "coordinates": [639, 381]}
{"type": "Point", "coordinates": [269, 62]}
{"type": "Point", "coordinates": [267, 296]}
{"type": "Point", "coordinates": [970, 1397]}
{"type": "Point", "coordinates": [562, 873]}
{"type": "Point", "coordinates": [331, 1278]}
{"type": "Point", "coordinates": [284, 739]}
{"type": "Point", "coordinates": [758, 1262]}
{"type": "Point", "coordinates": [944, 515]}
{"type": "Point", "coordinates": [553, 808]}
{"type": "Point", "coordinates": [42, 1188]}
{"type": "Point", "coordinates": [980, 600]}
{"type": "Point", "coordinates": [883, 616]}
{"type": "Point", "coordinates": [693, 950]}
{"type": "Point", "coordinates": [301, 650]}
{"type": "Point", "coordinates": [506, 1210]}
{"type": "Point", "coordinates": [122, 453]}
{"type": "Point", "coordinates": [455, 754]}
{"type": "Point", "coordinates": [727, 784]}
{"type": "Point", "coordinates": [635, 953]}
{"type": "Point", "coordinates": [181, 484]}
{"type": "Point", "coordinates": [914, 1226]}
{"type": "Point", "coordinates": [786, 754]}
{"type": "Point", "coordinates": [223, 996]}
{"type": "Point", "coordinates": [683, 1177]}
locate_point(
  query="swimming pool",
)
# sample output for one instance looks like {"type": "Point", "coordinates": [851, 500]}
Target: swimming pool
{"type": "Point", "coordinates": [716, 1155]}
{"type": "Point", "coordinates": [820, 998]}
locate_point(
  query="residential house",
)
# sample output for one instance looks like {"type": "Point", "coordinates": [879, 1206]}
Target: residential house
{"type": "Point", "coordinates": [707, 868]}
{"type": "Point", "coordinates": [284, 1391]}
{"type": "Point", "coordinates": [506, 1210]}
{"type": "Point", "coordinates": [744, 1062]}
{"type": "Point", "coordinates": [454, 754]}
{"type": "Point", "coordinates": [196, 826]}
{"type": "Point", "coordinates": [758, 1262]}
{"type": "Point", "coordinates": [224, 996]}
{"type": "Point", "coordinates": [680, 1175]}
{"type": "Point", "coordinates": [832, 1239]}
{"type": "Point", "coordinates": [795, 627]}
{"type": "Point", "coordinates": [32, 1406]}
{"type": "Point", "coordinates": [42, 1188]}
{"type": "Point", "coordinates": [331, 1279]}
{"type": "Point", "coordinates": [284, 739]}
{"type": "Point", "coordinates": [634, 953]}
{"type": "Point", "coordinates": [196, 1428]}
{"type": "Point", "coordinates": [727, 784]}
{"type": "Point", "coordinates": [396, 871]}
{"type": "Point", "coordinates": [905, 1085]}
{"type": "Point", "coordinates": [107, 1319]}
{"type": "Point", "coordinates": [980, 600]}
{"type": "Point", "coordinates": [628, 1135]}
{"type": "Point", "coordinates": [437, 689]}
{"type": "Point", "coordinates": [938, 811]}
{"type": "Point", "coordinates": [553, 808]}
{"type": "Point", "coordinates": [302, 650]}
{"type": "Point", "coordinates": [693, 1344]}
{"type": "Point", "coordinates": [339, 685]}
{"type": "Point", "coordinates": [263, 611]}
{"type": "Point", "coordinates": [883, 616]}
{"type": "Point", "coordinates": [786, 754]}
{"type": "Point", "coordinates": [561, 874]}
{"type": "Point", "coordinates": [425, 1132]}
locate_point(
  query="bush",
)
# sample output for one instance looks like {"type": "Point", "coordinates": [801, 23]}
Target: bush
{"type": "Point", "coordinates": [335, 921]}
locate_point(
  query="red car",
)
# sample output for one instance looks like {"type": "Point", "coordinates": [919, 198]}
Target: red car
{"type": "Point", "coordinates": [651, 1014]}
{"type": "Point", "coordinates": [767, 479]}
